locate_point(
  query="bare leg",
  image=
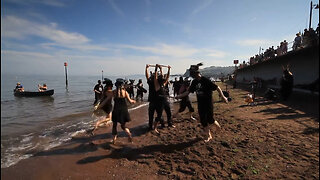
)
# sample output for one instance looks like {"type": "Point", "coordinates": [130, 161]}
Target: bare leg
{"type": "Point", "coordinates": [217, 126]}
{"type": "Point", "coordinates": [129, 134]}
{"type": "Point", "coordinates": [108, 118]}
{"type": "Point", "coordinates": [155, 127]}
{"type": "Point", "coordinates": [207, 131]}
{"type": "Point", "coordinates": [114, 139]}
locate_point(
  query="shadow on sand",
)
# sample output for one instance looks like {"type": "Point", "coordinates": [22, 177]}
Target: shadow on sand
{"type": "Point", "coordinates": [145, 152]}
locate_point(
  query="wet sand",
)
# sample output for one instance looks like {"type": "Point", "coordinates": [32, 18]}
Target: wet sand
{"type": "Point", "coordinates": [271, 140]}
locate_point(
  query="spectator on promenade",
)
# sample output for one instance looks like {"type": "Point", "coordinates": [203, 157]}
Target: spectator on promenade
{"type": "Point", "coordinates": [279, 50]}
{"type": "Point", "coordinates": [297, 42]}
{"type": "Point", "coordinates": [284, 47]}
{"type": "Point", "coordinates": [305, 38]}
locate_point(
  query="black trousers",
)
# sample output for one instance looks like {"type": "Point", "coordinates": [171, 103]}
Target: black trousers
{"type": "Point", "coordinates": [166, 107]}
{"type": "Point", "coordinates": [153, 106]}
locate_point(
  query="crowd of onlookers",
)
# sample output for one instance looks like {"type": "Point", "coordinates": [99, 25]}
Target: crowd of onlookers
{"type": "Point", "coordinates": [308, 38]}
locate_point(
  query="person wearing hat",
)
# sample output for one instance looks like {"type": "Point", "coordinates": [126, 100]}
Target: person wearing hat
{"type": "Point", "coordinates": [185, 101]}
{"type": "Point", "coordinates": [152, 98]}
{"type": "Point", "coordinates": [297, 41]}
{"type": "Point", "coordinates": [97, 92]}
{"type": "Point", "coordinates": [203, 88]}
{"type": "Point", "coordinates": [139, 90]}
{"type": "Point", "coordinates": [120, 113]}
{"type": "Point", "coordinates": [19, 87]}
{"type": "Point", "coordinates": [105, 103]}
{"type": "Point", "coordinates": [161, 100]}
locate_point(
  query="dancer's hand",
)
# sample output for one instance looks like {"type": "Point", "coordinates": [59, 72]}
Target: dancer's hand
{"type": "Point", "coordinates": [225, 99]}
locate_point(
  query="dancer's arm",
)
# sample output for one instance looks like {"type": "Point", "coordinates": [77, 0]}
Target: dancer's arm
{"type": "Point", "coordinates": [129, 99]}
{"type": "Point", "coordinates": [109, 97]}
{"type": "Point", "coordinates": [222, 95]}
{"type": "Point", "coordinates": [167, 76]}
{"type": "Point", "coordinates": [156, 83]}
{"type": "Point", "coordinates": [147, 73]}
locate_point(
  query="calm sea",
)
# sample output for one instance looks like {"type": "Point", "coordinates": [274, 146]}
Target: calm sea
{"type": "Point", "coordinates": [33, 124]}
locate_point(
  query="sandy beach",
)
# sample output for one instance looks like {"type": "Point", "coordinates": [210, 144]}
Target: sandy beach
{"type": "Point", "coordinates": [271, 140]}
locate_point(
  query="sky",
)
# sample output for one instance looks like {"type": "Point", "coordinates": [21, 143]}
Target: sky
{"type": "Point", "coordinates": [119, 37]}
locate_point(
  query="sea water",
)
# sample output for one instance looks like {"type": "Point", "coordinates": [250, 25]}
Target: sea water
{"type": "Point", "coordinates": [33, 124]}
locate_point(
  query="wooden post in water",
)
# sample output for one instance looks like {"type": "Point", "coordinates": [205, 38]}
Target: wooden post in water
{"type": "Point", "coordinates": [65, 68]}
{"type": "Point", "coordinates": [310, 15]}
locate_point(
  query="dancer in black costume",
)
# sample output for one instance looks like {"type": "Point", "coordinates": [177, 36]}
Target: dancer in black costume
{"type": "Point", "coordinates": [203, 88]}
{"type": "Point", "coordinates": [152, 98]}
{"type": "Point", "coordinates": [105, 103]}
{"type": "Point", "coordinates": [160, 95]}
{"type": "Point", "coordinates": [120, 113]}
{"type": "Point", "coordinates": [286, 83]}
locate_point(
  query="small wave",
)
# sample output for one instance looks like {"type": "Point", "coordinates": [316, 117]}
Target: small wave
{"type": "Point", "coordinates": [78, 132]}
{"type": "Point", "coordinates": [52, 145]}
{"type": "Point", "coordinates": [20, 148]}
{"type": "Point", "coordinates": [27, 134]}
{"type": "Point", "coordinates": [137, 107]}
{"type": "Point", "coordinates": [26, 139]}
{"type": "Point", "coordinates": [12, 159]}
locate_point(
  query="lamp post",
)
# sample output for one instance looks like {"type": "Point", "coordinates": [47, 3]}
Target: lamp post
{"type": "Point", "coordinates": [311, 7]}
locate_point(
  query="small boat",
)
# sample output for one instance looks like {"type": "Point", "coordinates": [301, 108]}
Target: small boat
{"type": "Point", "coordinates": [33, 93]}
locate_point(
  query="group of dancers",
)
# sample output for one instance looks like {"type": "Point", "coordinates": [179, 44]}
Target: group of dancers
{"type": "Point", "coordinates": [158, 100]}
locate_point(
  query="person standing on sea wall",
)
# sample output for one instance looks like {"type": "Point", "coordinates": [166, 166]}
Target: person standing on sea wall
{"type": "Point", "coordinates": [297, 42]}
{"type": "Point", "coordinates": [203, 88]}
{"type": "Point", "coordinates": [97, 92]}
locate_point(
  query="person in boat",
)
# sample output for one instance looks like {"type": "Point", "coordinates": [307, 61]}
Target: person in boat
{"type": "Point", "coordinates": [105, 103]}
{"type": "Point", "coordinates": [203, 88]}
{"type": "Point", "coordinates": [42, 88]}
{"type": "Point", "coordinates": [120, 113]}
{"type": "Point", "coordinates": [19, 87]}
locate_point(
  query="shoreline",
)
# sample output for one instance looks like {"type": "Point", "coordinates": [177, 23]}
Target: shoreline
{"type": "Point", "coordinates": [268, 141]}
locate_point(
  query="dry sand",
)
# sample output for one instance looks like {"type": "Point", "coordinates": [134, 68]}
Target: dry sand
{"type": "Point", "coordinates": [272, 140]}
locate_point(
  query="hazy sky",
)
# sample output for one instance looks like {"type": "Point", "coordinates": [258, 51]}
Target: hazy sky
{"type": "Point", "coordinates": [121, 36]}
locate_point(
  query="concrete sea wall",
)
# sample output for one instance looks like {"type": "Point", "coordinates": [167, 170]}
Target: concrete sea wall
{"type": "Point", "coordinates": [303, 63]}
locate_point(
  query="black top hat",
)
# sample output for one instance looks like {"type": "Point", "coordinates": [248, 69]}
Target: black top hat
{"type": "Point", "coordinates": [119, 82]}
{"type": "Point", "coordinates": [195, 68]}
{"type": "Point", "coordinates": [107, 82]}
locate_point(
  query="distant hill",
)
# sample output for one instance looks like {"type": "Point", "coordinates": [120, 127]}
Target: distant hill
{"type": "Point", "coordinates": [214, 71]}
